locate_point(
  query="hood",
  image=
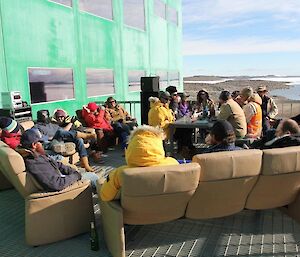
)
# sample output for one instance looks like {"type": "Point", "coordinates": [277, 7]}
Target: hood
{"type": "Point", "coordinates": [256, 98]}
{"type": "Point", "coordinates": [145, 147]}
{"type": "Point", "coordinates": [154, 101]}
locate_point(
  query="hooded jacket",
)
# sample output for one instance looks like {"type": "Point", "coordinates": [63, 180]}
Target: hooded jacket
{"type": "Point", "coordinates": [145, 149]}
{"type": "Point", "coordinates": [160, 115]}
{"type": "Point", "coordinates": [98, 121]}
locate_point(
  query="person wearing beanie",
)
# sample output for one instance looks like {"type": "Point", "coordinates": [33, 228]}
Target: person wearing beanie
{"type": "Point", "coordinates": [221, 138]}
{"type": "Point", "coordinates": [10, 132]}
{"type": "Point", "coordinates": [175, 99]}
{"type": "Point", "coordinates": [231, 111]}
{"type": "Point", "coordinates": [253, 112]}
{"type": "Point", "coordinates": [51, 175]}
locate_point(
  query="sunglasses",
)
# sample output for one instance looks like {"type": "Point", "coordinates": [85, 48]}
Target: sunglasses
{"type": "Point", "coordinates": [112, 101]}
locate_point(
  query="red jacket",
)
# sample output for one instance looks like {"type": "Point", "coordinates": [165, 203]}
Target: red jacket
{"type": "Point", "coordinates": [96, 121]}
{"type": "Point", "coordinates": [11, 139]}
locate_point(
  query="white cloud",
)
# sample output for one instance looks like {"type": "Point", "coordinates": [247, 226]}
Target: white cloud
{"type": "Point", "coordinates": [240, 46]}
{"type": "Point", "coordinates": [218, 11]}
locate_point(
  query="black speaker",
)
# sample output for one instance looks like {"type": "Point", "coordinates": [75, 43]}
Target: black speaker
{"type": "Point", "coordinates": [145, 105]}
{"type": "Point", "coordinates": [150, 84]}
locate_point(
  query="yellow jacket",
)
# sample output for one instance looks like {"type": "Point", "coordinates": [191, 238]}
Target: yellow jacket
{"type": "Point", "coordinates": [160, 115]}
{"type": "Point", "coordinates": [145, 149]}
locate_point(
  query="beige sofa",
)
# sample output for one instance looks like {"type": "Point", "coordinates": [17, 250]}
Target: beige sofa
{"type": "Point", "coordinates": [215, 185]}
{"type": "Point", "coordinates": [49, 216]}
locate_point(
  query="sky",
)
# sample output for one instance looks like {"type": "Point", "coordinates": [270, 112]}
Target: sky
{"type": "Point", "coordinates": [241, 37]}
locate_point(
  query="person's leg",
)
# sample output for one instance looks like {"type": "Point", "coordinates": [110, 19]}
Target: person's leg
{"type": "Point", "coordinates": [123, 132]}
{"type": "Point", "coordinates": [90, 176]}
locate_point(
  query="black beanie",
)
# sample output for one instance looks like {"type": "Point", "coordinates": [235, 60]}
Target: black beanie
{"type": "Point", "coordinates": [221, 130]}
{"type": "Point", "coordinates": [9, 125]}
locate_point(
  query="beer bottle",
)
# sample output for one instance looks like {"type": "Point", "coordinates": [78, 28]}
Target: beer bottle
{"type": "Point", "coordinates": [94, 238]}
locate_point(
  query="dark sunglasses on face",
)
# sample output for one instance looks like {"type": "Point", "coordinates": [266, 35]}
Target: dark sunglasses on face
{"type": "Point", "coordinates": [112, 101]}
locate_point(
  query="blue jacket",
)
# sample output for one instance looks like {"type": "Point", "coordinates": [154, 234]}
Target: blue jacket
{"type": "Point", "coordinates": [52, 175]}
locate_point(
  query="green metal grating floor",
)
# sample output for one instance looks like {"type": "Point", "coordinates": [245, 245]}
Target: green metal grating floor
{"type": "Point", "coordinates": [248, 233]}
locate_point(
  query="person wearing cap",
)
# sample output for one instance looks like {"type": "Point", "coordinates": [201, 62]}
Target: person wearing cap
{"type": "Point", "coordinates": [231, 111]}
{"type": "Point", "coordinates": [120, 119]}
{"type": "Point", "coordinates": [268, 106]}
{"type": "Point", "coordinates": [204, 105]}
{"type": "Point", "coordinates": [221, 138]}
{"type": "Point", "coordinates": [50, 174]}
{"type": "Point", "coordinates": [10, 132]}
{"type": "Point", "coordinates": [253, 112]}
{"type": "Point", "coordinates": [160, 115]}
{"type": "Point", "coordinates": [175, 99]}
{"type": "Point", "coordinates": [98, 118]}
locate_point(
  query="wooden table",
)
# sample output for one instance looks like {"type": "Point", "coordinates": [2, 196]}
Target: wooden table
{"type": "Point", "coordinates": [186, 122]}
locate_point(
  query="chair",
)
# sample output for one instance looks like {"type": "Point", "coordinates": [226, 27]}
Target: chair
{"type": "Point", "coordinates": [49, 216]}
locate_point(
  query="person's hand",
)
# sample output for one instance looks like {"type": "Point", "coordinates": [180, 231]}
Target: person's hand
{"type": "Point", "coordinates": [68, 119]}
{"type": "Point", "coordinates": [208, 139]}
{"type": "Point", "coordinates": [87, 109]}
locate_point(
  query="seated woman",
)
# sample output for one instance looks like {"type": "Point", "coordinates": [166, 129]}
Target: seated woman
{"type": "Point", "coordinates": [145, 148]}
{"type": "Point", "coordinates": [204, 105]}
{"type": "Point", "coordinates": [221, 138]}
{"type": "Point", "coordinates": [96, 117]}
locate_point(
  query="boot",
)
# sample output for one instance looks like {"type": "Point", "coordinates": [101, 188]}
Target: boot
{"type": "Point", "coordinates": [86, 135]}
{"type": "Point", "coordinates": [85, 164]}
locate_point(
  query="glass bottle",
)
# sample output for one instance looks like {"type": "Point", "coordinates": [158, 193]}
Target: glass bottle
{"type": "Point", "coordinates": [94, 238]}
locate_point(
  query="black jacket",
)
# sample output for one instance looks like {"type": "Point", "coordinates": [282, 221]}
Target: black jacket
{"type": "Point", "coordinates": [52, 175]}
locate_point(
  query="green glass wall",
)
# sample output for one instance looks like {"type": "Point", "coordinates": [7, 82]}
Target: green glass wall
{"type": "Point", "coordinates": [41, 33]}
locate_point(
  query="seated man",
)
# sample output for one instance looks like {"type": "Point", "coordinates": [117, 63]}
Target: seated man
{"type": "Point", "coordinates": [287, 134]}
{"type": "Point", "coordinates": [52, 175]}
{"type": "Point", "coordinates": [121, 121]}
{"type": "Point", "coordinates": [62, 119]}
{"type": "Point", "coordinates": [231, 111]}
{"type": "Point", "coordinates": [145, 148]}
{"type": "Point", "coordinates": [221, 138]}
{"type": "Point", "coordinates": [53, 131]}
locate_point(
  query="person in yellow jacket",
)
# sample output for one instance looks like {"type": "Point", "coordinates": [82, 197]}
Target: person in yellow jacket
{"type": "Point", "coordinates": [145, 148]}
{"type": "Point", "coordinates": [160, 115]}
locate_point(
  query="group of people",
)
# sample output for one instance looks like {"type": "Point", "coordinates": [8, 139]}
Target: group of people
{"type": "Point", "coordinates": [246, 114]}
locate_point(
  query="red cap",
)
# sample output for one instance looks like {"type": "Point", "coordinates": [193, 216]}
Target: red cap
{"type": "Point", "coordinates": [92, 106]}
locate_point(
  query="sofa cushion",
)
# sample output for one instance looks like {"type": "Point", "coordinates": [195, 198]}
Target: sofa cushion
{"type": "Point", "coordinates": [281, 160]}
{"type": "Point", "coordinates": [229, 165]}
{"type": "Point", "coordinates": [157, 194]}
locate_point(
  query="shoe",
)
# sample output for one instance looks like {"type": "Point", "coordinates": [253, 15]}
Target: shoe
{"type": "Point", "coordinates": [85, 164]}
{"type": "Point", "coordinates": [86, 135]}
{"type": "Point", "coordinates": [65, 149]}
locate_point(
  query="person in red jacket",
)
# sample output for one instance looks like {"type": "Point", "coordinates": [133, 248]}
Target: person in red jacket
{"type": "Point", "coordinates": [96, 117]}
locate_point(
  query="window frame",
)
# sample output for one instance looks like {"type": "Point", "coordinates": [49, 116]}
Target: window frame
{"type": "Point", "coordinates": [96, 15]}
{"type": "Point", "coordinates": [128, 82]}
{"type": "Point", "coordinates": [53, 68]}
{"type": "Point", "coordinates": [133, 27]}
{"type": "Point", "coordinates": [102, 69]}
{"type": "Point", "coordinates": [53, 1]}
{"type": "Point", "coordinates": [166, 7]}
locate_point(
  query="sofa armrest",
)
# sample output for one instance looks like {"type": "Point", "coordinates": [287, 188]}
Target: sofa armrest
{"type": "Point", "coordinates": [77, 185]}
{"type": "Point", "coordinates": [62, 214]}
{"type": "Point", "coordinates": [113, 227]}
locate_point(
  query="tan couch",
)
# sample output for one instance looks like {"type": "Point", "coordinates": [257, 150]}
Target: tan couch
{"type": "Point", "coordinates": [215, 185]}
{"type": "Point", "coordinates": [49, 216]}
